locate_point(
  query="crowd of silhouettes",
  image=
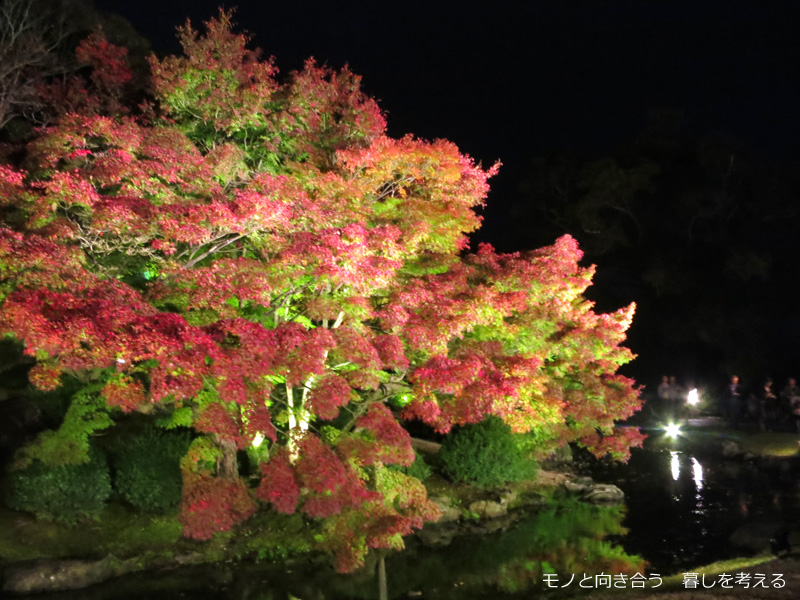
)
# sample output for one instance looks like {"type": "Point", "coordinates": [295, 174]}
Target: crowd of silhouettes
{"type": "Point", "coordinates": [672, 396]}
{"type": "Point", "coordinates": [764, 405]}
{"type": "Point", "coordinates": [675, 399]}
{"type": "Point", "coordinates": [772, 410]}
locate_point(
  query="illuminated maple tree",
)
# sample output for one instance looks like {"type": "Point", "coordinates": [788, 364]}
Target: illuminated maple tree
{"type": "Point", "coordinates": [257, 260]}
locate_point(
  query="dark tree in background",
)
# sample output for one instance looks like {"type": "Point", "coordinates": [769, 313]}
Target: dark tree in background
{"type": "Point", "coordinates": [37, 48]}
{"type": "Point", "coordinates": [698, 230]}
{"type": "Point", "coordinates": [34, 44]}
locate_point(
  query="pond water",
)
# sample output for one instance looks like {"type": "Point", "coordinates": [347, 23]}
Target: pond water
{"type": "Point", "coordinates": [687, 509]}
{"type": "Point", "coordinates": [682, 511]}
{"type": "Point", "coordinates": [570, 537]}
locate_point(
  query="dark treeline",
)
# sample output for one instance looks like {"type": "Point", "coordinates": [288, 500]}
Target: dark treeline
{"type": "Point", "coordinates": [699, 231]}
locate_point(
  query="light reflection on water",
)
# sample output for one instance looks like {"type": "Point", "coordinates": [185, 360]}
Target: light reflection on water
{"type": "Point", "coordinates": [686, 508]}
{"type": "Point", "coordinates": [675, 459]}
{"type": "Point", "coordinates": [675, 464]}
{"type": "Point", "coordinates": [697, 475]}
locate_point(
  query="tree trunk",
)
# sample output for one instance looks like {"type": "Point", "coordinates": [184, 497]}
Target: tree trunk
{"type": "Point", "coordinates": [383, 590]}
{"type": "Point", "coordinates": [227, 466]}
{"type": "Point", "coordinates": [425, 446]}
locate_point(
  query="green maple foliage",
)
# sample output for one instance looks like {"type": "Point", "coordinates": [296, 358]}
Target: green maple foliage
{"type": "Point", "coordinates": [256, 259]}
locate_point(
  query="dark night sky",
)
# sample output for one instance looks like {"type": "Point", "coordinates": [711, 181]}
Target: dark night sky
{"type": "Point", "coordinates": [510, 81]}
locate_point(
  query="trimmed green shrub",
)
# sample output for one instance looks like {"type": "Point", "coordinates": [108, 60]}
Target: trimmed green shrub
{"type": "Point", "coordinates": [419, 468]}
{"type": "Point", "coordinates": [67, 493]}
{"type": "Point", "coordinates": [147, 469]}
{"type": "Point", "coordinates": [485, 454]}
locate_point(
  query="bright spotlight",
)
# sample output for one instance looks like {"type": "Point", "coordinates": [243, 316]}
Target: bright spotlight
{"type": "Point", "coordinates": [672, 430]}
{"type": "Point", "coordinates": [693, 398]}
{"type": "Point", "coordinates": [258, 438]}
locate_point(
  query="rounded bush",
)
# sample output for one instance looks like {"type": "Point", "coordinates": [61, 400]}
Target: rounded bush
{"type": "Point", "coordinates": [485, 454]}
{"type": "Point", "coordinates": [419, 468]}
{"type": "Point", "coordinates": [67, 494]}
{"type": "Point", "coordinates": [147, 469]}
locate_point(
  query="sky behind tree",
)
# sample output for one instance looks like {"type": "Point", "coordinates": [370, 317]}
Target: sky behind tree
{"type": "Point", "coordinates": [506, 80]}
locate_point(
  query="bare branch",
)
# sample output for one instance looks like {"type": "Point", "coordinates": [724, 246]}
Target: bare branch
{"type": "Point", "coordinates": [35, 37]}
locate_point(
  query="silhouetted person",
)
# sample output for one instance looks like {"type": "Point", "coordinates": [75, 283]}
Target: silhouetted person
{"type": "Point", "coordinates": [675, 395]}
{"type": "Point", "coordinates": [768, 409]}
{"type": "Point", "coordinates": [663, 391]}
{"type": "Point", "coordinates": [734, 402]}
{"type": "Point", "coordinates": [790, 401]}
